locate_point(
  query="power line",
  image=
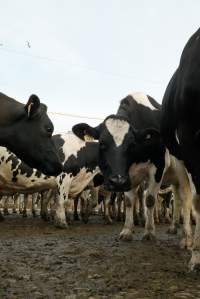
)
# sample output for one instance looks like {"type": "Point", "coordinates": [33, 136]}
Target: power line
{"type": "Point", "coordinates": [86, 68]}
{"type": "Point", "coordinates": [75, 115]}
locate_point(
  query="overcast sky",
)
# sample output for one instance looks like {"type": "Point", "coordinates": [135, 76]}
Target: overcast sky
{"type": "Point", "coordinates": [82, 56]}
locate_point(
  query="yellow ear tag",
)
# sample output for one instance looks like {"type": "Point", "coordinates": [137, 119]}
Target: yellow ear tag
{"type": "Point", "coordinates": [29, 108]}
{"type": "Point", "coordinates": [88, 137]}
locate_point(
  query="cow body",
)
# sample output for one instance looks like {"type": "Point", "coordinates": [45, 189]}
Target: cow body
{"type": "Point", "coordinates": [26, 130]}
{"type": "Point", "coordinates": [180, 126]}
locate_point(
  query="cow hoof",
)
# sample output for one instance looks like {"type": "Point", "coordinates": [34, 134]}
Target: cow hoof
{"type": "Point", "coordinates": [14, 211]}
{"type": "Point", "coordinates": [157, 221]}
{"type": "Point", "coordinates": [126, 235]}
{"type": "Point", "coordinates": [149, 237]}
{"type": "Point", "coordinates": [108, 220]}
{"type": "Point", "coordinates": [24, 214]}
{"type": "Point", "coordinates": [186, 243]}
{"type": "Point", "coordinates": [60, 223]}
{"type": "Point", "coordinates": [172, 230]}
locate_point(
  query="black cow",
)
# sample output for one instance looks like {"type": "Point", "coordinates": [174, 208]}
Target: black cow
{"type": "Point", "coordinates": [180, 125]}
{"type": "Point", "coordinates": [26, 130]}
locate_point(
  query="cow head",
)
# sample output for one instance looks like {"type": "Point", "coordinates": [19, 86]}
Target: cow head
{"type": "Point", "coordinates": [120, 145]}
{"type": "Point", "coordinates": [30, 137]}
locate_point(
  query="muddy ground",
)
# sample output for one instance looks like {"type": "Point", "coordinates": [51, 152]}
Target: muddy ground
{"type": "Point", "coordinates": [88, 261]}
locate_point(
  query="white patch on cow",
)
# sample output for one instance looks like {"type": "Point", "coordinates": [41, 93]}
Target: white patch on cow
{"type": "Point", "coordinates": [176, 135]}
{"type": "Point", "coordinates": [142, 99]}
{"type": "Point", "coordinates": [72, 145]}
{"type": "Point", "coordinates": [118, 129]}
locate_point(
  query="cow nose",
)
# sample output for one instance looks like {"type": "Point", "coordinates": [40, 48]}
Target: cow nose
{"type": "Point", "coordinates": [118, 180]}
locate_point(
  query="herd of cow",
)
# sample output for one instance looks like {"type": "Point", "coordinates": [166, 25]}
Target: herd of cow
{"type": "Point", "coordinates": [144, 146]}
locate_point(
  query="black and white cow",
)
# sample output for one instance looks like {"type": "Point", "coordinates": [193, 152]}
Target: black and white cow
{"type": "Point", "coordinates": [180, 125]}
{"type": "Point", "coordinates": [80, 166]}
{"type": "Point", "coordinates": [131, 151]}
{"type": "Point", "coordinates": [26, 130]}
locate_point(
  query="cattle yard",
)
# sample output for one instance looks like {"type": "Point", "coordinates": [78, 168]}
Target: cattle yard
{"type": "Point", "coordinates": [108, 210]}
{"type": "Point", "coordinates": [89, 261]}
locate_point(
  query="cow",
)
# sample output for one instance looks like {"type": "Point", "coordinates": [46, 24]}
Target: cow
{"type": "Point", "coordinates": [26, 130]}
{"type": "Point", "coordinates": [80, 166]}
{"type": "Point", "coordinates": [180, 127]}
{"type": "Point", "coordinates": [131, 151]}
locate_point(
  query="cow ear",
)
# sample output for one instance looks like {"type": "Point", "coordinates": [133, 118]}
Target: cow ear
{"type": "Point", "coordinates": [147, 134]}
{"type": "Point", "coordinates": [32, 105]}
{"type": "Point", "coordinates": [85, 132]}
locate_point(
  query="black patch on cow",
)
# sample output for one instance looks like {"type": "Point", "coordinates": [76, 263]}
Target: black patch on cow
{"type": "Point", "coordinates": [14, 161]}
{"type": "Point", "coordinates": [61, 178]}
{"type": "Point", "coordinates": [98, 180]}
{"type": "Point", "coordinates": [2, 158]}
{"type": "Point", "coordinates": [59, 142]}
{"type": "Point", "coordinates": [33, 181]}
{"type": "Point", "coordinates": [38, 174]}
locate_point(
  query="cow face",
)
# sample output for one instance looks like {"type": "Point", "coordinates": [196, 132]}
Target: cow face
{"type": "Point", "coordinates": [31, 138]}
{"type": "Point", "coordinates": [120, 145]}
{"type": "Point", "coordinates": [116, 141]}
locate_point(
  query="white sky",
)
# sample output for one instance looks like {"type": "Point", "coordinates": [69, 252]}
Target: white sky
{"type": "Point", "coordinates": [86, 55]}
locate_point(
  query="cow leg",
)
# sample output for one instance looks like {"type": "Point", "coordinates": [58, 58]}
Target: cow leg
{"type": "Point", "coordinates": [119, 207]}
{"type": "Point", "coordinates": [173, 229]}
{"type": "Point", "coordinates": [60, 218]}
{"type": "Point", "coordinates": [127, 231]}
{"type": "Point", "coordinates": [186, 197]}
{"type": "Point", "coordinates": [21, 203]}
{"type": "Point", "coordinates": [108, 219]}
{"type": "Point", "coordinates": [156, 211]}
{"type": "Point", "coordinates": [61, 201]}
{"type": "Point", "coordinates": [5, 209]}
{"type": "Point", "coordinates": [167, 215]}
{"type": "Point", "coordinates": [76, 216]}
{"type": "Point", "coordinates": [137, 211]}
{"type": "Point", "coordinates": [34, 205]}
{"type": "Point", "coordinates": [24, 212]}
{"type": "Point", "coordinates": [194, 264]}
{"type": "Point", "coordinates": [15, 200]}
{"type": "Point", "coordinates": [150, 199]}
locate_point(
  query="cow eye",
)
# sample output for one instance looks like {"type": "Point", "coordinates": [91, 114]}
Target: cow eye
{"type": "Point", "coordinates": [49, 130]}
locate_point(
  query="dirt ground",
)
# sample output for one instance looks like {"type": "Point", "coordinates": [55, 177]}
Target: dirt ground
{"type": "Point", "coordinates": [88, 261]}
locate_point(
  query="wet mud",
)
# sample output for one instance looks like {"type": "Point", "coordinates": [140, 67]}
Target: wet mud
{"type": "Point", "coordinates": [38, 260]}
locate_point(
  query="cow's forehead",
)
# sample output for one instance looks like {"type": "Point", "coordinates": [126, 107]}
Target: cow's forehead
{"type": "Point", "coordinates": [118, 129]}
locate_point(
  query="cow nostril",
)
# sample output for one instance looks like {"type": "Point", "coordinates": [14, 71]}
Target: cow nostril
{"type": "Point", "coordinates": [118, 180]}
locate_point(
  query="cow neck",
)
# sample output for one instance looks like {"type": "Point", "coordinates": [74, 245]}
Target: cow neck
{"type": "Point", "coordinates": [10, 111]}
{"type": "Point", "coordinates": [6, 135]}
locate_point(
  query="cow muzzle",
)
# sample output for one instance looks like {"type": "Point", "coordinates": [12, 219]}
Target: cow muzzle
{"type": "Point", "coordinates": [118, 183]}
